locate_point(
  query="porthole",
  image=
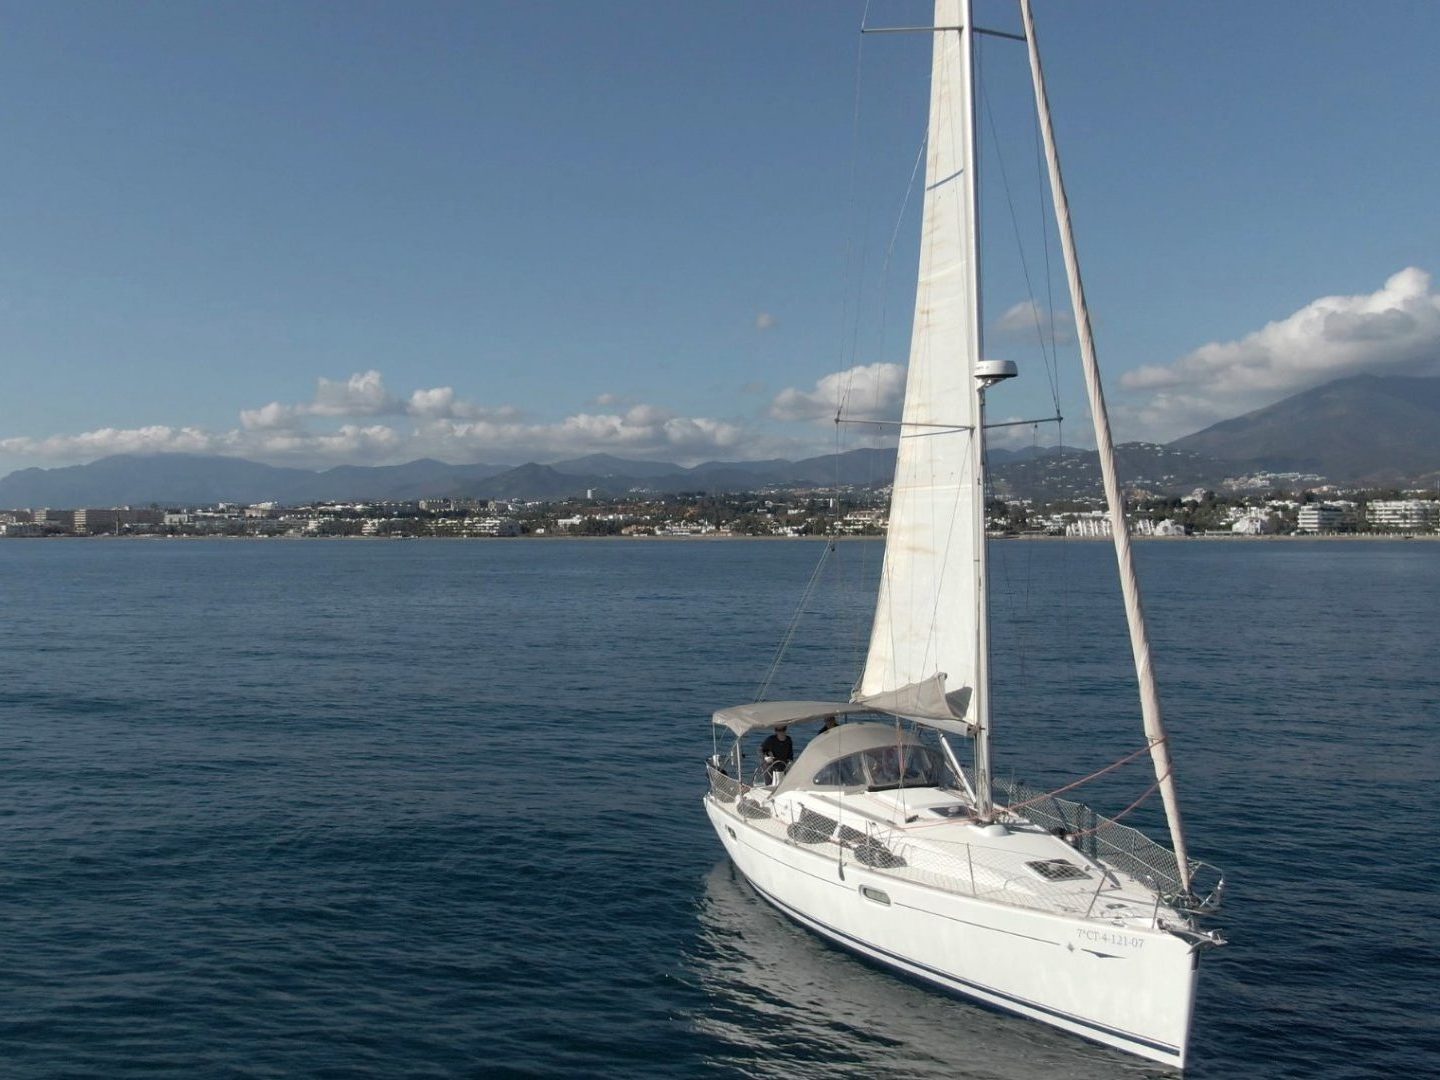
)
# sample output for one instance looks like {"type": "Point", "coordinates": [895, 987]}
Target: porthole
{"type": "Point", "coordinates": [731, 832]}
{"type": "Point", "coordinates": [874, 894]}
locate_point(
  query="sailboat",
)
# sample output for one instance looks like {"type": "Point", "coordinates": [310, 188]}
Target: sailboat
{"type": "Point", "coordinates": [877, 836]}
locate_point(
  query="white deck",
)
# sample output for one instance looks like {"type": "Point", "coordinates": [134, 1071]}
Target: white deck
{"type": "Point", "coordinates": [959, 856]}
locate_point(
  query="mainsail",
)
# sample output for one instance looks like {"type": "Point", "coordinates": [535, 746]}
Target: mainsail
{"type": "Point", "coordinates": [929, 619]}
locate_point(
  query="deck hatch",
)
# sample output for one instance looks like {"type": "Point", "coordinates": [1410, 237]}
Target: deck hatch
{"type": "Point", "coordinates": [1057, 870]}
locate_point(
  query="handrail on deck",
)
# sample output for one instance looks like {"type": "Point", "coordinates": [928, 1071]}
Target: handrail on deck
{"type": "Point", "coordinates": [1119, 846]}
{"type": "Point", "coordinates": [1113, 847]}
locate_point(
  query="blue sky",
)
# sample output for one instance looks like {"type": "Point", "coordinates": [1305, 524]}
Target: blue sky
{"type": "Point", "coordinates": [316, 233]}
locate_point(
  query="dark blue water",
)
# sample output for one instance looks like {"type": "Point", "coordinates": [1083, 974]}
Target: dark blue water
{"type": "Point", "coordinates": [389, 809]}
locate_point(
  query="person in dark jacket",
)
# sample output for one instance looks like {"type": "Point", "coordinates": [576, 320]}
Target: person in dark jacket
{"type": "Point", "coordinates": [777, 751]}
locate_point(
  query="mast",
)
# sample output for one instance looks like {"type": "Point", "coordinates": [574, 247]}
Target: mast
{"type": "Point", "coordinates": [1129, 585]}
{"type": "Point", "coordinates": [969, 164]}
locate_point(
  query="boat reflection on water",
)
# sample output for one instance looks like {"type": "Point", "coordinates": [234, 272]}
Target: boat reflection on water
{"type": "Point", "coordinates": [781, 1002]}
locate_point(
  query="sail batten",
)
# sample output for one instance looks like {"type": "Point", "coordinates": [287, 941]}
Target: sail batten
{"type": "Point", "coordinates": [926, 616]}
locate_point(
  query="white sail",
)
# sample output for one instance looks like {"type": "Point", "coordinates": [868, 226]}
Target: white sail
{"type": "Point", "coordinates": [929, 607]}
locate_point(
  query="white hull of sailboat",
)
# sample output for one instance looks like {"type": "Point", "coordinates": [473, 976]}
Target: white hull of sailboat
{"type": "Point", "coordinates": [1128, 988]}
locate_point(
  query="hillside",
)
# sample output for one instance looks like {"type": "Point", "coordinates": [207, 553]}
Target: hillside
{"type": "Point", "coordinates": [1367, 429]}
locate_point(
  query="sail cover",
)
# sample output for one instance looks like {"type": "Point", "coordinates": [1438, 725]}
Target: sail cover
{"type": "Point", "coordinates": [926, 618]}
{"type": "Point", "coordinates": [926, 702]}
{"type": "Point", "coordinates": [762, 714]}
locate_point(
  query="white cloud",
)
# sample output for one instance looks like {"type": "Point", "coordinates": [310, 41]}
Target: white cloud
{"type": "Point", "coordinates": [1028, 322]}
{"type": "Point", "coordinates": [349, 443]}
{"type": "Point", "coordinates": [363, 394]}
{"type": "Point", "coordinates": [105, 441]}
{"type": "Point", "coordinates": [439, 401]}
{"type": "Point", "coordinates": [272, 417]}
{"type": "Point", "coordinates": [1395, 330]}
{"type": "Point", "coordinates": [642, 429]}
{"type": "Point", "coordinates": [765, 321]}
{"type": "Point", "coordinates": [432, 422]}
{"type": "Point", "coordinates": [371, 444]}
{"type": "Point", "coordinates": [871, 391]}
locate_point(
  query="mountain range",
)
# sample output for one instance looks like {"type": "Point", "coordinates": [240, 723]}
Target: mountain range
{"type": "Point", "coordinates": [189, 479]}
{"type": "Point", "coordinates": [1364, 430]}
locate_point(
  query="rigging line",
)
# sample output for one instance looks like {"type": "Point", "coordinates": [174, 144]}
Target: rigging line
{"type": "Point", "coordinates": [1074, 784]}
{"type": "Point", "coordinates": [845, 579]}
{"type": "Point", "coordinates": [850, 304]}
{"type": "Point", "coordinates": [1145, 795]}
{"type": "Point", "coordinates": [1022, 423]}
{"type": "Point", "coordinates": [854, 570]}
{"type": "Point", "coordinates": [1027, 638]}
{"type": "Point", "coordinates": [794, 623]}
{"type": "Point", "coordinates": [851, 324]}
{"type": "Point", "coordinates": [900, 767]}
{"type": "Point", "coordinates": [1050, 365]}
{"type": "Point", "coordinates": [1086, 779]}
{"type": "Point", "coordinates": [851, 579]}
{"type": "Point", "coordinates": [885, 263]}
{"type": "Point", "coordinates": [894, 239]}
{"type": "Point", "coordinates": [941, 428]}
{"type": "Point", "coordinates": [850, 362]}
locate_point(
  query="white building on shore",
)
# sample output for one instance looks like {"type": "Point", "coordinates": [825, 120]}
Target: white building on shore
{"type": "Point", "coordinates": [1420, 515]}
{"type": "Point", "coordinates": [1094, 524]}
{"type": "Point", "coordinates": [1253, 523]}
{"type": "Point", "coordinates": [1319, 518]}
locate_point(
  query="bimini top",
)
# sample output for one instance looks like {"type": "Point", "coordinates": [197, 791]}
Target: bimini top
{"type": "Point", "coordinates": [761, 714]}
{"type": "Point", "coordinates": [924, 702]}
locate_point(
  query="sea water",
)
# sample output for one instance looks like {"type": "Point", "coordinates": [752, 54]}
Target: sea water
{"type": "Point", "coordinates": [432, 808]}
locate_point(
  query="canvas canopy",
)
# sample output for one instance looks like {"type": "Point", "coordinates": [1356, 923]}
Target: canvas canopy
{"type": "Point", "coordinates": [762, 714]}
{"type": "Point", "coordinates": [832, 745]}
{"type": "Point", "coordinates": [924, 702]}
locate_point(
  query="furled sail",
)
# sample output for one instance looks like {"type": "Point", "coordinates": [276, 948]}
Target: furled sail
{"type": "Point", "coordinates": [927, 618]}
